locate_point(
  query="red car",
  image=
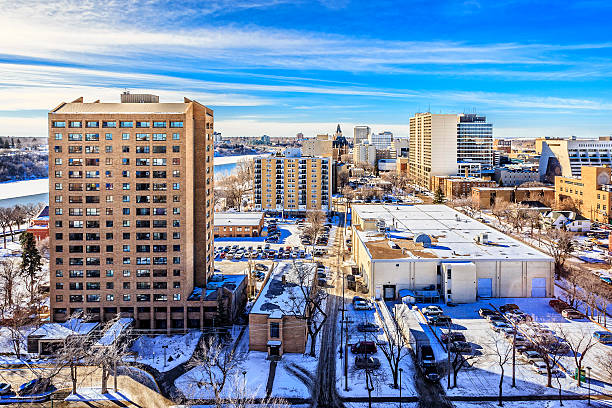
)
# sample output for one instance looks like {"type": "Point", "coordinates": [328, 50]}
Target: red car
{"type": "Point", "coordinates": [364, 347]}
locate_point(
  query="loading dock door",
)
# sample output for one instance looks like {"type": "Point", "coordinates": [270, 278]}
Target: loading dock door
{"type": "Point", "coordinates": [538, 287]}
{"type": "Point", "coordinates": [389, 292]}
{"type": "Point", "coordinates": [485, 288]}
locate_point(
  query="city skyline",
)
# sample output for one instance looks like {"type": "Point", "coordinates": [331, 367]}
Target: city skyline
{"type": "Point", "coordinates": [279, 68]}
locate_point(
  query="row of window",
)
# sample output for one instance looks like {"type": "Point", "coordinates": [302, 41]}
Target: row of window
{"type": "Point", "coordinates": [140, 199]}
{"type": "Point", "coordinates": [157, 297]}
{"type": "Point", "coordinates": [95, 236]}
{"type": "Point", "coordinates": [78, 149]}
{"type": "Point", "coordinates": [110, 186]}
{"type": "Point", "coordinates": [95, 137]}
{"type": "Point", "coordinates": [124, 211]}
{"type": "Point", "coordinates": [95, 273]}
{"type": "Point", "coordinates": [140, 260]}
{"type": "Point", "coordinates": [95, 249]}
{"type": "Point", "coordinates": [124, 161]}
{"type": "Point", "coordinates": [113, 124]}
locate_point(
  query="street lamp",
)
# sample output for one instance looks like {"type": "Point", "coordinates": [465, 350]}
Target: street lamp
{"type": "Point", "coordinates": [244, 384]}
{"type": "Point", "coordinates": [400, 385]}
{"type": "Point", "coordinates": [165, 347]}
{"type": "Point", "coordinates": [589, 370]}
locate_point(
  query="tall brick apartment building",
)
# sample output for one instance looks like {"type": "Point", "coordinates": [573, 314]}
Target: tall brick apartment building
{"type": "Point", "coordinates": [131, 210]}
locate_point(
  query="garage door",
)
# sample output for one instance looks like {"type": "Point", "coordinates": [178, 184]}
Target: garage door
{"type": "Point", "coordinates": [485, 288]}
{"type": "Point", "coordinates": [538, 287]}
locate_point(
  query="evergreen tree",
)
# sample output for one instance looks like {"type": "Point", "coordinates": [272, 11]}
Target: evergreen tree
{"type": "Point", "coordinates": [13, 142]}
{"type": "Point", "coordinates": [439, 196]}
{"type": "Point", "coordinates": [31, 264]}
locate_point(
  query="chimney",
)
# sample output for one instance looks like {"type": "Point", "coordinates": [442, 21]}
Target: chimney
{"type": "Point", "coordinates": [127, 97]}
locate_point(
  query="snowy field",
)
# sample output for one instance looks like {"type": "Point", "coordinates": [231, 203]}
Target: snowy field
{"type": "Point", "coordinates": [483, 377]}
{"type": "Point", "coordinates": [255, 366]}
{"type": "Point", "coordinates": [383, 376]}
{"type": "Point", "coordinates": [179, 350]}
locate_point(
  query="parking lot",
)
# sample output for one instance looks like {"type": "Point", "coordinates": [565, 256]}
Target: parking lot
{"type": "Point", "coordinates": [483, 377]}
{"type": "Point", "coordinates": [288, 245]}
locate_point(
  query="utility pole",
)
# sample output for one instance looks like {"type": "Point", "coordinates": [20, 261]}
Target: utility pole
{"type": "Point", "coordinates": [514, 359]}
{"type": "Point", "coordinates": [448, 363]}
{"type": "Point", "coordinates": [346, 358]}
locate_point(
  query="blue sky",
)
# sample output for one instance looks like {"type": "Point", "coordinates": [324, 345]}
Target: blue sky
{"type": "Point", "coordinates": [281, 67]}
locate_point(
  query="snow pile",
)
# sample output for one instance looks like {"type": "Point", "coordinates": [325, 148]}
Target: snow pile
{"type": "Point", "coordinates": [178, 348]}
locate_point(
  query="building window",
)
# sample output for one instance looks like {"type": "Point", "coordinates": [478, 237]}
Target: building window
{"type": "Point", "coordinates": [274, 330]}
{"type": "Point", "coordinates": [59, 124]}
{"type": "Point", "coordinates": [176, 124]}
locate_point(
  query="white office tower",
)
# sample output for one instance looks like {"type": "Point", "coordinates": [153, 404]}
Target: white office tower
{"type": "Point", "coordinates": [381, 140]}
{"type": "Point", "coordinates": [433, 146]}
{"type": "Point", "coordinates": [474, 140]}
{"type": "Point", "coordinates": [361, 133]}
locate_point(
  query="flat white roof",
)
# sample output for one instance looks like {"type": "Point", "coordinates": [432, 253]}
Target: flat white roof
{"type": "Point", "coordinates": [223, 219]}
{"type": "Point", "coordinates": [453, 235]}
{"type": "Point", "coordinates": [122, 108]}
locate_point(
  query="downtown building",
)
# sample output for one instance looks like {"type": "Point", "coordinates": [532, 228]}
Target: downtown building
{"type": "Point", "coordinates": [449, 145]}
{"type": "Point", "coordinates": [292, 184]}
{"type": "Point", "coordinates": [131, 210]}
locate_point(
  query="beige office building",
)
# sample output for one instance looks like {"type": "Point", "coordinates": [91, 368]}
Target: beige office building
{"type": "Point", "coordinates": [131, 208]}
{"type": "Point", "coordinates": [433, 146]}
{"type": "Point", "coordinates": [292, 184]}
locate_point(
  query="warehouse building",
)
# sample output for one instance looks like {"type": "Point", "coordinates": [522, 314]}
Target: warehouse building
{"type": "Point", "coordinates": [433, 247]}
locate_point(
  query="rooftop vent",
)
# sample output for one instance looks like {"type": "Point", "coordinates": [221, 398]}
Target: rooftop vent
{"type": "Point", "coordinates": [127, 97]}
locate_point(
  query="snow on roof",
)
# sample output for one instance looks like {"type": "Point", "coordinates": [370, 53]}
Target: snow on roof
{"type": "Point", "coordinates": [277, 296]}
{"type": "Point", "coordinates": [122, 108]}
{"type": "Point", "coordinates": [216, 281]}
{"type": "Point", "coordinates": [454, 235]}
{"type": "Point", "coordinates": [114, 331]}
{"type": "Point", "coordinates": [61, 331]}
{"type": "Point", "coordinates": [238, 218]}
{"type": "Point", "coordinates": [23, 188]}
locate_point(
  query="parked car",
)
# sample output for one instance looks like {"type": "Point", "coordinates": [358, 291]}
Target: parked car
{"type": "Point", "coordinates": [606, 279]}
{"type": "Point", "coordinates": [572, 314]}
{"type": "Point", "coordinates": [508, 308]}
{"type": "Point", "coordinates": [364, 347]}
{"type": "Point", "coordinates": [540, 367]}
{"type": "Point", "coordinates": [558, 305]}
{"type": "Point", "coordinates": [32, 387]}
{"type": "Point", "coordinates": [531, 356]}
{"type": "Point", "coordinates": [432, 310]}
{"type": "Point", "coordinates": [367, 363]}
{"type": "Point", "coordinates": [499, 326]}
{"type": "Point", "coordinates": [367, 327]}
{"type": "Point", "coordinates": [5, 388]}
{"type": "Point", "coordinates": [495, 317]}
{"type": "Point", "coordinates": [460, 347]}
{"type": "Point", "coordinates": [362, 305]}
{"type": "Point", "coordinates": [452, 337]}
{"type": "Point", "coordinates": [440, 320]}
{"type": "Point", "coordinates": [484, 312]}
{"type": "Point", "coordinates": [603, 337]}
{"type": "Point", "coordinates": [357, 298]}
{"type": "Point", "coordinates": [261, 267]}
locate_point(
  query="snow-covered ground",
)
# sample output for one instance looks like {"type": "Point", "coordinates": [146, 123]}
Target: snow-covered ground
{"type": "Point", "coordinates": [150, 351]}
{"type": "Point", "coordinates": [483, 377]}
{"type": "Point", "coordinates": [255, 366]}
{"type": "Point", "coordinates": [95, 394]}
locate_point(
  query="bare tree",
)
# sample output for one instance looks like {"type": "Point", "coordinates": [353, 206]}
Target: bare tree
{"type": "Point", "coordinates": [572, 294]}
{"type": "Point", "coordinates": [458, 361]}
{"type": "Point", "coordinates": [74, 353]}
{"type": "Point", "coordinates": [310, 304]}
{"type": "Point", "coordinates": [5, 222]}
{"type": "Point", "coordinates": [395, 348]}
{"type": "Point", "coordinates": [580, 343]}
{"type": "Point", "coordinates": [501, 351]}
{"type": "Point", "coordinates": [8, 276]}
{"type": "Point", "coordinates": [551, 349]}
{"type": "Point", "coordinates": [500, 209]}
{"type": "Point", "coordinates": [606, 363]}
{"type": "Point", "coordinates": [243, 396]}
{"type": "Point", "coordinates": [115, 348]}
{"type": "Point", "coordinates": [533, 220]}
{"type": "Point", "coordinates": [559, 244]}
{"type": "Point", "coordinates": [213, 367]}
{"type": "Point", "coordinates": [315, 220]}
{"type": "Point", "coordinates": [343, 178]}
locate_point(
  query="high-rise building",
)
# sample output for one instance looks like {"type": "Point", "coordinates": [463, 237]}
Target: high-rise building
{"type": "Point", "coordinates": [433, 146]}
{"type": "Point", "coordinates": [131, 208]}
{"type": "Point", "coordinates": [474, 139]}
{"type": "Point", "coordinates": [292, 184]}
{"type": "Point", "coordinates": [565, 157]}
{"type": "Point", "coordinates": [360, 133]}
{"type": "Point", "coordinates": [381, 140]}
{"type": "Point", "coordinates": [364, 153]}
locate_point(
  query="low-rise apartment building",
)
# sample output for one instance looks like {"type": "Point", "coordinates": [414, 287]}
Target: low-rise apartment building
{"type": "Point", "coordinates": [292, 184]}
{"type": "Point", "coordinates": [238, 224]}
{"type": "Point", "coordinates": [592, 192]}
{"type": "Point", "coordinates": [457, 187]}
{"type": "Point", "coordinates": [486, 196]}
{"type": "Point", "coordinates": [276, 320]}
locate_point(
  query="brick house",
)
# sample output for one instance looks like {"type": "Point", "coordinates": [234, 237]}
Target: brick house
{"type": "Point", "coordinates": [238, 224]}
